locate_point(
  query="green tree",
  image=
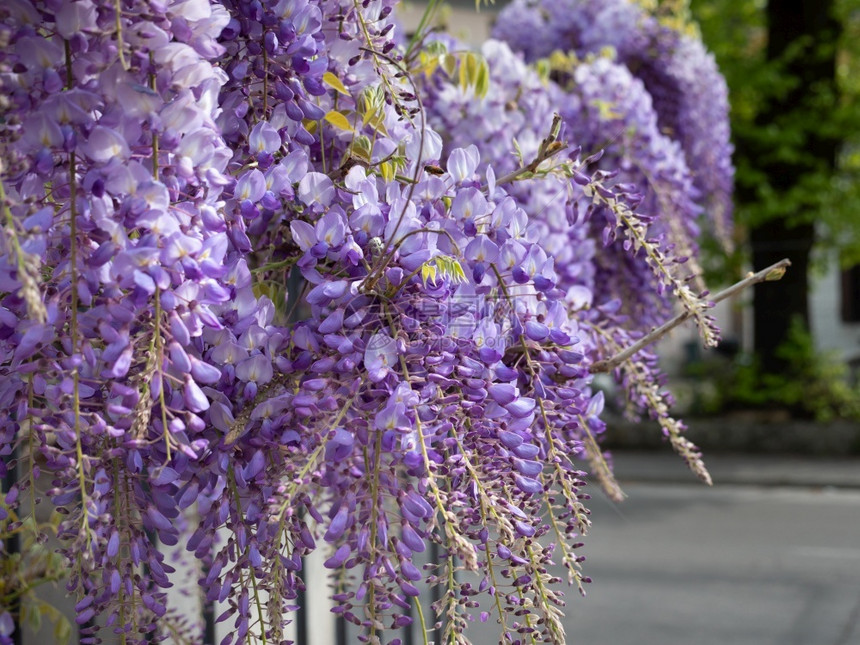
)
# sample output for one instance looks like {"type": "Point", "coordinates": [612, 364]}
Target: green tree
{"type": "Point", "coordinates": [792, 69]}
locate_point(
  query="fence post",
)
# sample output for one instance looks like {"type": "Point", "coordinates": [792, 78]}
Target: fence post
{"type": "Point", "coordinates": [13, 542]}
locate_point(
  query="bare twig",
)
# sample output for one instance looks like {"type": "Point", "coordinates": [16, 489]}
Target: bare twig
{"type": "Point", "coordinates": [549, 147]}
{"type": "Point", "coordinates": [773, 272]}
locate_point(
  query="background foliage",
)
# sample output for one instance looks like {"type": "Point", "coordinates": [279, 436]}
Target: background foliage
{"type": "Point", "coordinates": [736, 32]}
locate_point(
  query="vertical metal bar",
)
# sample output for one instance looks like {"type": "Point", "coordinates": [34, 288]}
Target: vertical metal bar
{"type": "Point", "coordinates": [153, 539]}
{"type": "Point", "coordinates": [340, 630]}
{"type": "Point", "coordinates": [13, 542]}
{"type": "Point", "coordinates": [302, 613]}
{"type": "Point", "coordinates": [294, 288]}
{"type": "Point", "coordinates": [408, 638]}
{"type": "Point", "coordinates": [208, 622]}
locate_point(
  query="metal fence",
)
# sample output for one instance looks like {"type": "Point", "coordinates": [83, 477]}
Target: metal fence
{"type": "Point", "coordinates": [313, 624]}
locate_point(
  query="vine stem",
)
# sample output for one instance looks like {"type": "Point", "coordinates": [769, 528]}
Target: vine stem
{"type": "Point", "coordinates": [36, 313]}
{"type": "Point", "coordinates": [421, 620]}
{"type": "Point", "coordinates": [549, 147]}
{"type": "Point", "coordinates": [266, 85]}
{"type": "Point", "coordinates": [159, 356]}
{"type": "Point", "coordinates": [118, 507]}
{"type": "Point", "coordinates": [312, 460]}
{"type": "Point", "coordinates": [234, 490]}
{"type": "Point", "coordinates": [601, 470]}
{"type": "Point", "coordinates": [374, 529]}
{"type": "Point", "coordinates": [419, 32]}
{"type": "Point", "coordinates": [73, 277]}
{"type": "Point", "coordinates": [153, 85]}
{"type": "Point", "coordinates": [771, 273]}
{"type": "Point", "coordinates": [120, 45]}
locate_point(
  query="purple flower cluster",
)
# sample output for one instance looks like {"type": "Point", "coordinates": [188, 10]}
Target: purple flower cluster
{"type": "Point", "coordinates": [609, 109]}
{"type": "Point", "coordinates": [689, 95]}
{"type": "Point", "coordinates": [643, 272]}
{"type": "Point", "coordinates": [112, 186]}
{"type": "Point", "coordinates": [606, 110]}
{"type": "Point", "coordinates": [264, 291]}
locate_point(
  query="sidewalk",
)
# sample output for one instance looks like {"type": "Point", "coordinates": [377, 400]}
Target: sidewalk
{"type": "Point", "coordinates": [664, 466]}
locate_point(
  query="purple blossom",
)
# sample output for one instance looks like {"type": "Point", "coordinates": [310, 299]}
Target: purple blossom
{"type": "Point", "coordinates": [316, 188]}
{"type": "Point", "coordinates": [462, 163]}
{"type": "Point", "coordinates": [380, 356]}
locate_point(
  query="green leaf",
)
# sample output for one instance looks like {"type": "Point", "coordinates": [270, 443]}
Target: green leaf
{"type": "Point", "coordinates": [428, 271]}
{"type": "Point", "coordinates": [606, 110]}
{"type": "Point", "coordinates": [377, 122]}
{"type": "Point", "coordinates": [458, 272]}
{"type": "Point", "coordinates": [468, 70]}
{"type": "Point", "coordinates": [62, 630]}
{"type": "Point", "coordinates": [775, 274]}
{"type": "Point", "coordinates": [335, 83]}
{"type": "Point", "coordinates": [371, 100]}
{"type": "Point", "coordinates": [371, 104]}
{"type": "Point", "coordinates": [362, 148]}
{"type": "Point", "coordinates": [338, 120]}
{"type": "Point", "coordinates": [482, 80]}
{"type": "Point", "coordinates": [518, 151]}
{"type": "Point", "coordinates": [34, 617]}
{"type": "Point", "coordinates": [543, 68]}
{"type": "Point", "coordinates": [388, 170]}
{"type": "Point", "coordinates": [428, 63]}
{"type": "Point", "coordinates": [448, 267]}
{"type": "Point", "coordinates": [436, 48]}
{"type": "Point", "coordinates": [449, 64]}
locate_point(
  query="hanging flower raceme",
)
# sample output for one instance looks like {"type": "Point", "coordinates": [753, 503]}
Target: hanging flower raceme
{"type": "Point", "coordinates": [606, 111]}
{"type": "Point", "coordinates": [114, 171]}
{"type": "Point", "coordinates": [639, 265]}
{"type": "Point", "coordinates": [689, 95]}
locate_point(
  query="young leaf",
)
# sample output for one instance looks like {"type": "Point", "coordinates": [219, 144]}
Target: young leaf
{"type": "Point", "coordinates": [310, 126]}
{"type": "Point", "coordinates": [387, 170]}
{"type": "Point", "coordinates": [377, 122]}
{"type": "Point", "coordinates": [428, 63]}
{"type": "Point", "coordinates": [62, 630]}
{"type": "Point", "coordinates": [482, 79]}
{"type": "Point", "coordinates": [468, 70]}
{"type": "Point", "coordinates": [34, 617]}
{"type": "Point", "coordinates": [449, 64]}
{"type": "Point", "coordinates": [338, 120]}
{"type": "Point", "coordinates": [543, 68]}
{"type": "Point", "coordinates": [335, 83]}
{"type": "Point", "coordinates": [428, 271]}
{"type": "Point", "coordinates": [362, 148]}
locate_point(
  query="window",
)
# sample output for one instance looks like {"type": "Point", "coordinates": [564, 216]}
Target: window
{"type": "Point", "coordinates": [851, 294]}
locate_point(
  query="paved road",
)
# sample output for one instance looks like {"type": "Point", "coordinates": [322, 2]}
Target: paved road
{"type": "Point", "coordinates": [730, 565]}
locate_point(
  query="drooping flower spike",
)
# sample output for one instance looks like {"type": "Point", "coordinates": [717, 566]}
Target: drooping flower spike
{"type": "Point", "coordinates": [689, 95]}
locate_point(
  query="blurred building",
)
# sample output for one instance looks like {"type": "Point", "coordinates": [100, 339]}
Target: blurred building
{"type": "Point", "coordinates": [459, 17]}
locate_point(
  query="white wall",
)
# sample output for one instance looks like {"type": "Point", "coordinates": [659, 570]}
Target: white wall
{"type": "Point", "coordinates": [828, 330]}
{"type": "Point", "coordinates": [463, 22]}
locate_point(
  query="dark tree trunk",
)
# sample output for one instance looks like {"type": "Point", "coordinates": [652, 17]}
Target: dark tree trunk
{"type": "Point", "coordinates": [803, 33]}
{"type": "Point", "coordinates": [777, 304]}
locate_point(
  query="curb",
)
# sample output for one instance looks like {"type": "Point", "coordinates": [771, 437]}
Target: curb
{"type": "Point", "coordinates": [742, 470]}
